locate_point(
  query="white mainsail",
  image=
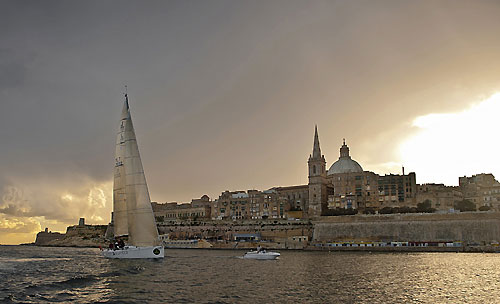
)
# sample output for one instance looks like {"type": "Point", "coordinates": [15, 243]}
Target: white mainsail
{"type": "Point", "coordinates": [120, 216]}
{"type": "Point", "coordinates": [131, 190]}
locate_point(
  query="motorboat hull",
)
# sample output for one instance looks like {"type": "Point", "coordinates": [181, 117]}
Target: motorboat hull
{"type": "Point", "coordinates": [261, 255]}
{"type": "Point", "coordinates": [132, 252]}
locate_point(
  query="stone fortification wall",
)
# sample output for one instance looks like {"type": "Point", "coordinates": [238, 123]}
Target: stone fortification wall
{"type": "Point", "coordinates": [226, 230]}
{"type": "Point", "coordinates": [470, 227]}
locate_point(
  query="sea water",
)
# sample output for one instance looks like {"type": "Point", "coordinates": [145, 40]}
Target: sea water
{"type": "Point", "coordinates": [41, 274]}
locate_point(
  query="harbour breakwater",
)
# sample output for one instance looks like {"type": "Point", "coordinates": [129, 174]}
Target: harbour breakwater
{"type": "Point", "coordinates": [469, 231]}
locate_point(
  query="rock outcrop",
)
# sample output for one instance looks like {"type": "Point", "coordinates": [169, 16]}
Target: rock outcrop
{"type": "Point", "coordinates": [75, 236]}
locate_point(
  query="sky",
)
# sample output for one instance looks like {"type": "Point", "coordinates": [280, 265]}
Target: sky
{"type": "Point", "coordinates": [225, 96]}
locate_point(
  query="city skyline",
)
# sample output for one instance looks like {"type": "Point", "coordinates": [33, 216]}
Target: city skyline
{"type": "Point", "coordinates": [225, 96]}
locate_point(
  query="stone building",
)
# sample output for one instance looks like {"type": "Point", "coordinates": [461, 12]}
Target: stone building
{"type": "Point", "coordinates": [252, 204]}
{"type": "Point", "coordinates": [347, 185]}
{"type": "Point", "coordinates": [441, 197]}
{"type": "Point", "coordinates": [482, 189]}
{"type": "Point", "coordinates": [296, 197]}
{"type": "Point", "coordinates": [235, 205]}
{"type": "Point", "coordinates": [318, 192]}
{"type": "Point", "coordinates": [204, 201]}
{"type": "Point", "coordinates": [396, 190]}
{"type": "Point", "coordinates": [197, 209]}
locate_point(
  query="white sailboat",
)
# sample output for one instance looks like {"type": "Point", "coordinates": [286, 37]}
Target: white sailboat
{"type": "Point", "coordinates": [133, 214]}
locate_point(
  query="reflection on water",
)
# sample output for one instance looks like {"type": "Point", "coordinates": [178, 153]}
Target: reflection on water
{"type": "Point", "coordinates": [34, 275]}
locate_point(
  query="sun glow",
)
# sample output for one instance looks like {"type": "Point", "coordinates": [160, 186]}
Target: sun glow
{"type": "Point", "coordinates": [450, 145]}
{"type": "Point", "coordinates": [67, 197]}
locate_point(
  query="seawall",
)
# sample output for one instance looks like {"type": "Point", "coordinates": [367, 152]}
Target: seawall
{"type": "Point", "coordinates": [471, 228]}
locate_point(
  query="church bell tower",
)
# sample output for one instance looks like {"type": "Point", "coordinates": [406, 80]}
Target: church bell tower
{"type": "Point", "coordinates": [317, 179]}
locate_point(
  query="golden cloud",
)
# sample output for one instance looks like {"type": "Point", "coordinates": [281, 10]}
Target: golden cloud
{"type": "Point", "coordinates": [28, 206]}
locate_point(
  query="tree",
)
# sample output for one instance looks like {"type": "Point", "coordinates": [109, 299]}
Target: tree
{"type": "Point", "coordinates": [369, 210]}
{"type": "Point", "coordinates": [404, 209]}
{"type": "Point", "coordinates": [424, 206]}
{"type": "Point", "coordinates": [465, 205]}
{"type": "Point", "coordinates": [386, 210]}
{"type": "Point", "coordinates": [351, 211]}
{"type": "Point", "coordinates": [339, 211]}
{"type": "Point", "coordinates": [484, 208]}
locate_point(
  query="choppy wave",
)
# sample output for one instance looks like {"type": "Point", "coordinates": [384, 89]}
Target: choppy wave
{"type": "Point", "coordinates": [26, 260]}
{"type": "Point", "coordinates": [73, 282]}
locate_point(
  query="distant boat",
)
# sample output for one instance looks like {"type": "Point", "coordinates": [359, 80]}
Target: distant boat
{"type": "Point", "coordinates": [261, 255]}
{"type": "Point", "coordinates": [133, 214]}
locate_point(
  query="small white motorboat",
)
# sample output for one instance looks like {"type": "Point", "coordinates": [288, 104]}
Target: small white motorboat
{"type": "Point", "coordinates": [261, 255]}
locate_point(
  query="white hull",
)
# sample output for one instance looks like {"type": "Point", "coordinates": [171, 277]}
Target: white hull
{"type": "Point", "coordinates": [261, 255]}
{"type": "Point", "coordinates": [132, 252]}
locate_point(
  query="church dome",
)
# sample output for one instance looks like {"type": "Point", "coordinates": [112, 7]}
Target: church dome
{"type": "Point", "coordinates": [345, 164]}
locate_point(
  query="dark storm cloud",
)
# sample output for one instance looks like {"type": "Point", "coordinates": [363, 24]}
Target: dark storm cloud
{"type": "Point", "coordinates": [13, 69]}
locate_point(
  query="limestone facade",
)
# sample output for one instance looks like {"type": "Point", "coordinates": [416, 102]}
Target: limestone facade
{"type": "Point", "coordinates": [482, 189]}
{"type": "Point", "coordinates": [296, 197]}
{"type": "Point", "coordinates": [441, 197]}
{"type": "Point", "coordinates": [251, 204]}
{"type": "Point", "coordinates": [198, 208]}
